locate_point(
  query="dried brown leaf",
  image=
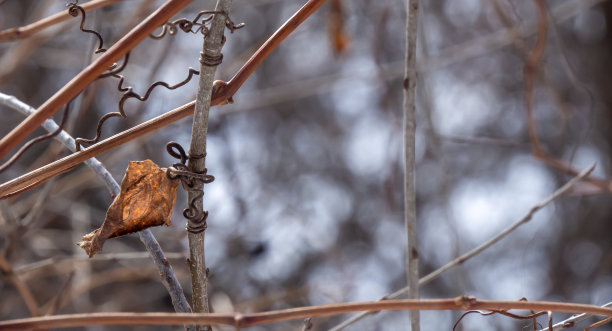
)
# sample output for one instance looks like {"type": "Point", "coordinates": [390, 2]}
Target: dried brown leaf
{"type": "Point", "coordinates": [146, 199]}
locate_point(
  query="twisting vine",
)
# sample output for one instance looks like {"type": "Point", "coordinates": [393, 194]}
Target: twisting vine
{"type": "Point", "coordinates": [128, 93]}
{"type": "Point", "coordinates": [531, 316]}
{"type": "Point", "coordinates": [196, 218]}
{"type": "Point", "coordinates": [74, 9]}
{"type": "Point", "coordinates": [187, 25]}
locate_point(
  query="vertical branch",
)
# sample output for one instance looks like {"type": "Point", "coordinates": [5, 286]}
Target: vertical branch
{"type": "Point", "coordinates": [210, 57]}
{"type": "Point", "coordinates": [409, 106]}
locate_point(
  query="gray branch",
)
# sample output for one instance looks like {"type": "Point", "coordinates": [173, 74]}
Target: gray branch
{"type": "Point", "coordinates": [409, 109]}
{"type": "Point", "coordinates": [209, 59]}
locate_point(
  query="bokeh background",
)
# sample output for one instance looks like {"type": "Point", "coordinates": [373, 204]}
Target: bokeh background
{"type": "Point", "coordinates": [307, 205]}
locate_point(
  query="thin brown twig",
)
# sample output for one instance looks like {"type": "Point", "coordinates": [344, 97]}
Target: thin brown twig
{"type": "Point", "coordinates": [220, 96]}
{"type": "Point", "coordinates": [90, 73]}
{"type": "Point", "coordinates": [246, 320]}
{"type": "Point", "coordinates": [477, 250]}
{"type": "Point", "coordinates": [598, 324]}
{"type": "Point", "coordinates": [32, 28]}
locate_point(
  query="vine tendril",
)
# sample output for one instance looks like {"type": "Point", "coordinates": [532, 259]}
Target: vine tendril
{"type": "Point", "coordinates": [196, 218]}
{"type": "Point", "coordinates": [172, 27]}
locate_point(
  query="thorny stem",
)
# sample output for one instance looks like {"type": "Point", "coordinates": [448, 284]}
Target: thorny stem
{"type": "Point", "coordinates": [211, 48]}
{"type": "Point", "coordinates": [167, 275]}
{"type": "Point", "coordinates": [409, 108]}
{"type": "Point", "coordinates": [239, 320]}
{"type": "Point", "coordinates": [89, 74]}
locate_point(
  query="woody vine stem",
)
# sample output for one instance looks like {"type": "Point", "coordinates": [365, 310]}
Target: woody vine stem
{"type": "Point", "coordinates": [210, 57]}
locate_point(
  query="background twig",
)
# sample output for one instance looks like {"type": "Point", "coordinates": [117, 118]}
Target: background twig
{"type": "Point", "coordinates": [409, 109]}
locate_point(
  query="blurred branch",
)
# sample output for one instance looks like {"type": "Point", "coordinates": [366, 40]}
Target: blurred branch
{"type": "Point", "coordinates": [220, 96]}
{"type": "Point", "coordinates": [166, 273]}
{"type": "Point", "coordinates": [531, 68]}
{"type": "Point", "coordinates": [239, 320]}
{"type": "Point", "coordinates": [531, 65]}
{"type": "Point", "coordinates": [483, 140]}
{"type": "Point", "coordinates": [21, 286]}
{"type": "Point", "coordinates": [57, 300]}
{"type": "Point", "coordinates": [461, 259]}
{"type": "Point", "coordinates": [30, 29]}
{"type": "Point", "coordinates": [500, 38]}
{"type": "Point", "coordinates": [58, 261]}
{"type": "Point", "coordinates": [409, 126]}
{"type": "Point", "coordinates": [89, 74]}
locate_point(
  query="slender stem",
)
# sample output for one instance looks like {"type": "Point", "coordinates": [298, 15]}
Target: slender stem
{"type": "Point", "coordinates": [211, 49]}
{"type": "Point", "coordinates": [409, 108]}
{"type": "Point", "coordinates": [89, 74]}
{"type": "Point", "coordinates": [245, 320]}
{"type": "Point", "coordinates": [165, 269]}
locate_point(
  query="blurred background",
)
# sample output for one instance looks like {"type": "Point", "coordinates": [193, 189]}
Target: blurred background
{"type": "Point", "coordinates": [307, 205]}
